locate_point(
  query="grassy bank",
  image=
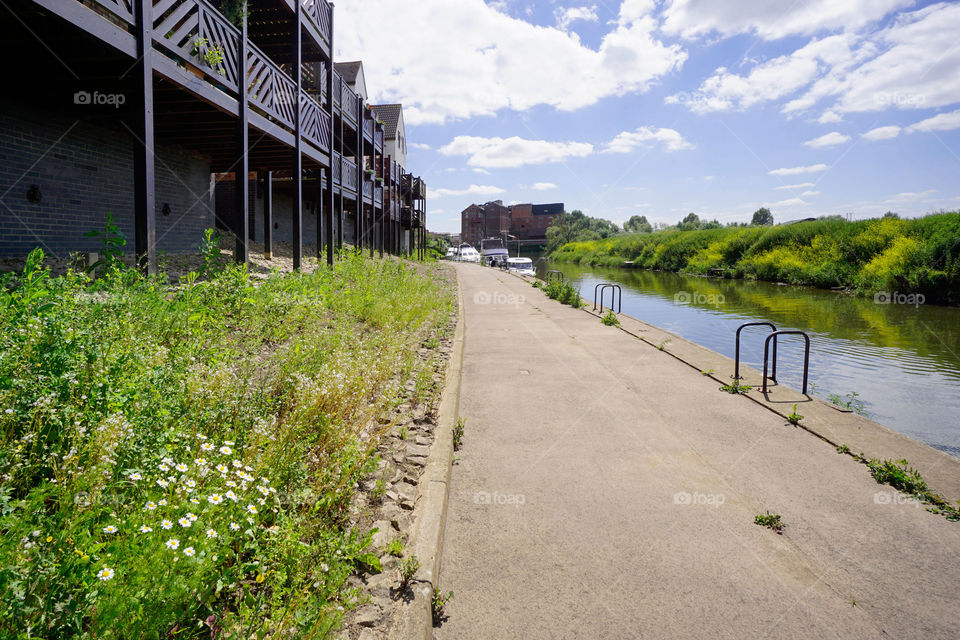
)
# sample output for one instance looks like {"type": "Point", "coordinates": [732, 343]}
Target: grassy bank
{"type": "Point", "coordinates": [181, 461]}
{"type": "Point", "coordinates": [907, 256]}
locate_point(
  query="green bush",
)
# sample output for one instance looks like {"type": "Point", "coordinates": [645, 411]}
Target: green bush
{"type": "Point", "coordinates": [866, 256]}
{"type": "Point", "coordinates": [182, 461]}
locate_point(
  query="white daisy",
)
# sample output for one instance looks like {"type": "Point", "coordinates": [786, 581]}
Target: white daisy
{"type": "Point", "coordinates": [165, 524]}
{"type": "Point", "coordinates": [109, 529]}
{"type": "Point", "coordinates": [185, 522]}
{"type": "Point", "coordinates": [234, 526]}
{"type": "Point", "coordinates": [145, 529]}
{"type": "Point", "coordinates": [173, 543]}
{"type": "Point", "coordinates": [237, 464]}
{"type": "Point", "coordinates": [215, 498]}
{"type": "Point", "coordinates": [162, 502]}
{"type": "Point", "coordinates": [206, 446]}
{"type": "Point", "coordinates": [105, 574]}
{"type": "Point", "coordinates": [251, 509]}
{"type": "Point", "coordinates": [222, 468]}
{"type": "Point", "coordinates": [189, 551]}
{"type": "Point", "coordinates": [135, 476]}
{"type": "Point", "coordinates": [200, 462]}
{"type": "Point", "coordinates": [225, 450]}
{"type": "Point", "coordinates": [192, 517]}
{"type": "Point", "coordinates": [182, 468]}
{"type": "Point", "coordinates": [150, 506]}
{"type": "Point", "coordinates": [231, 495]}
{"type": "Point", "coordinates": [163, 483]}
{"type": "Point", "coordinates": [211, 533]}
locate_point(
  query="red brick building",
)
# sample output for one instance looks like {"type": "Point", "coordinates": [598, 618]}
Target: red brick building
{"type": "Point", "coordinates": [523, 221]}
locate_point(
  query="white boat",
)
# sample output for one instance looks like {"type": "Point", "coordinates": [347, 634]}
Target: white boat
{"type": "Point", "coordinates": [466, 253]}
{"type": "Point", "coordinates": [493, 251]}
{"type": "Point", "coordinates": [521, 266]}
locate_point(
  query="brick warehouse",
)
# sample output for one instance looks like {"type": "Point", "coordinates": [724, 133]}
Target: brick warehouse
{"type": "Point", "coordinates": [525, 222]}
{"type": "Point", "coordinates": [147, 109]}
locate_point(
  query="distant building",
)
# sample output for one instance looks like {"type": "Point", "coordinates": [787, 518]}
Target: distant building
{"type": "Point", "coordinates": [394, 134]}
{"type": "Point", "coordinates": [352, 74]}
{"type": "Point", "coordinates": [523, 221]}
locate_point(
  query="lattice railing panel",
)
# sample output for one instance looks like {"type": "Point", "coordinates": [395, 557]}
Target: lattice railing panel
{"type": "Point", "coordinates": [320, 13]}
{"type": "Point", "coordinates": [314, 122]}
{"type": "Point", "coordinates": [198, 33]}
{"type": "Point", "coordinates": [123, 9]}
{"type": "Point", "coordinates": [269, 88]}
{"type": "Point", "coordinates": [349, 173]}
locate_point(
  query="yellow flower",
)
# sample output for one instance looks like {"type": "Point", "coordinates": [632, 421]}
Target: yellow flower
{"type": "Point", "coordinates": [49, 538]}
{"type": "Point", "coordinates": [260, 577]}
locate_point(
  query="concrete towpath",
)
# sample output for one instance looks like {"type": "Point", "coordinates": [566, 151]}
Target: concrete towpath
{"type": "Point", "coordinates": [608, 490]}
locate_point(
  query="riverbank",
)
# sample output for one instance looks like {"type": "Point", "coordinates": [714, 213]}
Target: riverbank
{"type": "Point", "coordinates": [887, 255]}
{"type": "Point", "coordinates": [187, 460]}
{"type": "Point", "coordinates": [628, 484]}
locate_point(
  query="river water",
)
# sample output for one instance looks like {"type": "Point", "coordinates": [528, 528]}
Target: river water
{"type": "Point", "coordinates": [901, 358]}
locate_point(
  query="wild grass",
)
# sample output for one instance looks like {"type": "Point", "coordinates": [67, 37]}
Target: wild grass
{"type": "Point", "coordinates": [181, 461]}
{"type": "Point", "coordinates": [919, 255]}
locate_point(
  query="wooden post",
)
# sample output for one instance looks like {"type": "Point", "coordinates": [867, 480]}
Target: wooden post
{"type": "Point", "coordinates": [328, 209]}
{"type": "Point", "coordinates": [241, 190]}
{"type": "Point", "coordinates": [298, 141]}
{"type": "Point", "coordinates": [268, 215]}
{"type": "Point", "coordinates": [358, 156]}
{"type": "Point", "coordinates": [144, 170]}
{"type": "Point", "coordinates": [322, 233]}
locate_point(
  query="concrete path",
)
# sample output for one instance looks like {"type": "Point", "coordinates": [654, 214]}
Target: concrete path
{"type": "Point", "coordinates": [607, 490]}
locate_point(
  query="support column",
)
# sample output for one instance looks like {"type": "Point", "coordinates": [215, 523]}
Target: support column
{"type": "Point", "coordinates": [298, 142]}
{"type": "Point", "coordinates": [144, 171]}
{"type": "Point", "coordinates": [323, 234]}
{"type": "Point", "coordinates": [328, 208]}
{"type": "Point", "coordinates": [241, 187]}
{"type": "Point", "coordinates": [358, 156]}
{"type": "Point", "coordinates": [267, 215]}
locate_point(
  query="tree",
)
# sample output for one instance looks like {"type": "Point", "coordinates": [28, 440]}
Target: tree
{"type": "Point", "coordinates": [637, 224]}
{"type": "Point", "coordinates": [690, 222]}
{"type": "Point", "coordinates": [575, 226]}
{"type": "Point", "coordinates": [762, 216]}
{"type": "Point", "coordinates": [891, 214]}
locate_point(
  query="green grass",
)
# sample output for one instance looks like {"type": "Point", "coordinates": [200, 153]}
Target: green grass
{"type": "Point", "coordinates": [610, 319]}
{"type": "Point", "coordinates": [237, 415]}
{"type": "Point", "coordinates": [771, 521]}
{"type": "Point", "coordinates": [867, 256]}
{"type": "Point", "coordinates": [563, 291]}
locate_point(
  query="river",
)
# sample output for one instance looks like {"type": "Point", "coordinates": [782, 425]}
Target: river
{"type": "Point", "coordinates": [900, 359]}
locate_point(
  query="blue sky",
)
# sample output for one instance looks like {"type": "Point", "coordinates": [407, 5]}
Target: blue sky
{"type": "Point", "coordinates": [660, 108]}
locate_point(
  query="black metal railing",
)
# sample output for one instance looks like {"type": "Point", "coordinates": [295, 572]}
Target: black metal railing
{"type": "Point", "coordinates": [806, 354]}
{"type": "Point", "coordinates": [736, 361]}
{"type": "Point", "coordinates": [615, 289]}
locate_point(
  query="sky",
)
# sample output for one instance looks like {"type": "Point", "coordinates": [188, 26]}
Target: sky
{"type": "Point", "coordinates": [663, 107]}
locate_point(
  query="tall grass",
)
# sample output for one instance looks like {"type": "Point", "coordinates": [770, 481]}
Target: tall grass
{"type": "Point", "coordinates": [887, 254]}
{"type": "Point", "coordinates": [181, 461]}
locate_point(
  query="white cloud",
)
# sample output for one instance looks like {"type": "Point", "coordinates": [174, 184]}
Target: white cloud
{"type": "Point", "coordinates": [627, 141]}
{"type": "Point", "coordinates": [882, 133]}
{"type": "Point", "coordinates": [513, 152]}
{"type": "Point", "coordinates": [472, 190]}
{"type": "Point", "coordinates": [770, 80]}
{"type": "Point", "coordinates": [793, 171]}
{"type": "Point", "coordinates": [831, 139]}
{"type": "Point", "coordinates": [829, 117]}
{"type": "Point", "coordinates": [773, 19]}
{"type": "Point", "coordinates": [808, 194]}
{"type": "Point", "coordinates": [420, 145]}
{"type": "Point", "coordinates": [909, 65]}
{"type": "Point", "coordinates": [477, 60]}
{"type": "Point", "coordinates": [909, 196]}
{"type": "Point", "coordinates": [802, 185]}
{"type": "Point", "coordinates": [481, 171]}
{"type": "Point", "coordinates": [790, 202]}
{"type": "Point", "coordinates": [568, 15]}
{"type": "Point", "coordinates": [939, 122]}
{"type": "Point", "coordinates": [543, 186]}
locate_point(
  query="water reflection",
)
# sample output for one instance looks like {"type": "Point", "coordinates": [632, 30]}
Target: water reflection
{"type": "Point", "coordinates": [902, 359]}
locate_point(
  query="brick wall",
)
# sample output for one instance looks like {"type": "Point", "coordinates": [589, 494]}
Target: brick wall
{"type": "Point", "coordinates": [83, 171]}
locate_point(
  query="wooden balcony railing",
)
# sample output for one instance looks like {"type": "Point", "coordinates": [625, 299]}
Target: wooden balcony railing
{"type": "Point", "coordinates": [320, 13]}
{"type": "Point", "coordinates": [123, 9]}
{"type": "Point", "coordinates": [378, 138]}
{"type": "Point", "coordinates": [348, 172]}
{"type": "Point", "coordinates": [378, 194]}
{"type": "Point", "coordinates": [349, 103]}
{"type": "Point", "coordinates": [367, 189]}
{"type": "Point", "coordinates": [270, 88]}
{"type": "Point", "coordinates": [368, 127]}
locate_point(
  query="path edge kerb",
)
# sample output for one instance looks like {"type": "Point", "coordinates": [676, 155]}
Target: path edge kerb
{"type": "Point", "coordinates": [430, 511]}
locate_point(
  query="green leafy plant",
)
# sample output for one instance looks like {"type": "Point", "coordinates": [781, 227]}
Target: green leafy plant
{"type": "Point", "coordinates": [900, 475]}
{"type": "Point", "coordinates": [794, 418]}
{"type": "Point", "coordinates": [112, 242]}
{"type": "Point", "coordinates": [210, 250]}
{"type": "Point", "coordinates": [408, 569]}
{"type": "Point", "coordinates": [458, 434]}
{"type": "Point", "coordinates": [707, 372]}
{"type": "Point", "coordinates": [610, 319]}
{"type": "Point", "coordinates": [843, 449]}
{"type": "Point", "coordinates": [663, 344]}
{"type": "Point", "coordinates": [771, 521]}
{"type": "Point", "coordinates": [851, 403]}
{"type": "Point", "coordinates": [563, 291]}
{"type": "Point", "coordinates": [211, 54]}
{"type": "Point", "coordinates": [736, 388]}
{"type": "Point", "coordinates": [437, 605]}
{"type": "Point", "coordinates": [395, 547]}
